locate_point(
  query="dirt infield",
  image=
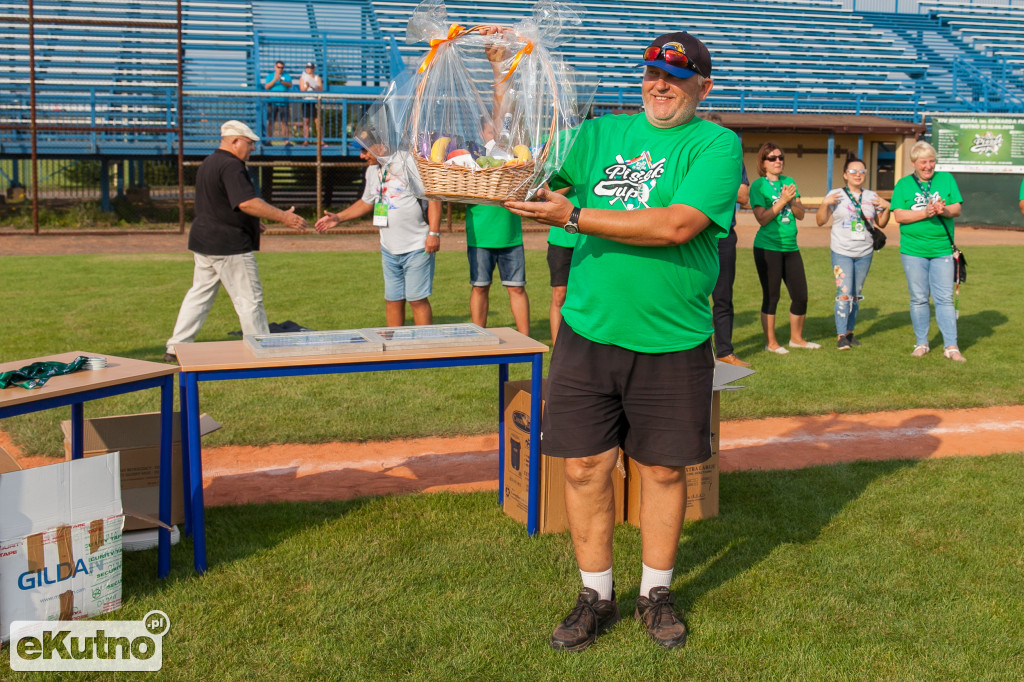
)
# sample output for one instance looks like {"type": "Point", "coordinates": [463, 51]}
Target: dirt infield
{"type": "Point", "coordinates": [339, 471]}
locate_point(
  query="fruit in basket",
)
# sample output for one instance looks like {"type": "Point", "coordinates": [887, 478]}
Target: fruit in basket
{"type": "Point", "coordinates": [457, 152]}
{"type": "Point", "coordinates": [464, 159]}
{"type": "Point", "coordinates": [438, 151]}
{"type": "Point", "coordinates": [521, 151]}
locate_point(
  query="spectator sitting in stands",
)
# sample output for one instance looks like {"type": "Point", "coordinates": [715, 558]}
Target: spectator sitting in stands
{"type": "Point", "coordinates": [277, 109]}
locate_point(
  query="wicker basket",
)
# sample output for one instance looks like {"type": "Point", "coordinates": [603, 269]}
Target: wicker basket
{"type": "Point", "coordinates": [451, 182]}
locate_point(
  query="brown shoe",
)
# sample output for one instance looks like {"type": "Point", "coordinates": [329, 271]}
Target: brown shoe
{"type": "Point", "coordinates": [590, 617]}
{"type": "Point", "coordinates": [733, 360]}
{"type": "Point", "coordinates": [171, 358]}
{"type": "Point", "coordinates": [657, 613]}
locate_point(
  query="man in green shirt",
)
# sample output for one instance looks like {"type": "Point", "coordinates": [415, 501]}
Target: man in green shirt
{"type": "Point", "coordinates": [495, 237]}
{"type": "Point", "coordinates": [633, 366]}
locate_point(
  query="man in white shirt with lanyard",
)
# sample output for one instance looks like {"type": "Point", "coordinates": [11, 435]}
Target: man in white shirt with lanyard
{"type": "Point", "coordinates": [407, 241]}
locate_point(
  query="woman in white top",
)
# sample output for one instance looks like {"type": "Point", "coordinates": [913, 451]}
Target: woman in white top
{"type": "Point", "coordinates": [852, 208]}
{"type": "Point", "coordinates": [310, 82]}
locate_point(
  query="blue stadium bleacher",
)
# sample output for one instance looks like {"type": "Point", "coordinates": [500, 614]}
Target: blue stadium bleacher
{"type": "Point", "coordinates": [118, 69]}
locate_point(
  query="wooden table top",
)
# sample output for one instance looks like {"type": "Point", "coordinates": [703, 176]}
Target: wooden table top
{"type": "Point", "coordinates": [235, 355]}
{"type": "Point", "coordinates": [118, 371]}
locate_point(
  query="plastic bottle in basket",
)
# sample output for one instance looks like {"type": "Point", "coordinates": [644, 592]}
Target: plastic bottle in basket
{"type": "Point", "coordinates": [502, 149]}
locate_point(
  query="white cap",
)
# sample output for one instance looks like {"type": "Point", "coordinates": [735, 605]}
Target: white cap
{"type": "Point", "coordinates": [238, 129]}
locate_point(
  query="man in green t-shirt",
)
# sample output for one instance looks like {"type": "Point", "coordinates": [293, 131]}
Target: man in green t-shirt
{"type": "Point", "coordinates": [495, 237]}
{"type": "Point", "coordinates": [633, 366]}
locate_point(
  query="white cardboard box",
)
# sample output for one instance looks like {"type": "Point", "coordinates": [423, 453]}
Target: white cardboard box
{"type": "Point", "coordinates": [60, 541]}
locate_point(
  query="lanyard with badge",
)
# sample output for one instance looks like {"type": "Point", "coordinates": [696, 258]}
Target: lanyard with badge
{"type": "Point", "coordinates": [926, 189]}
{"type": "Point", "coordinates": [787, 211]}
{"type": "Point", "coordinates": [380, 208]}
{"type": "Point", "coordinates": [857, 226]}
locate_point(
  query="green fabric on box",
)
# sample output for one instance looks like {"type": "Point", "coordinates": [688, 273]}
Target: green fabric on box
{"type": "Point", "coordinates": [38, 373]}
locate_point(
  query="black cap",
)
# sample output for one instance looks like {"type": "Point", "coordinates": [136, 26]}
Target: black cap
{"type": "Point", "coordinates": [698, 57]}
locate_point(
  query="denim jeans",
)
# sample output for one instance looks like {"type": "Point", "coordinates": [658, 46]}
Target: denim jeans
{"type": "Point", "coordinates": [850, 274]}
{"type": "Point", "coordinates": [407, 276]}
{"type": "Point", "coordinates": [931, 276]}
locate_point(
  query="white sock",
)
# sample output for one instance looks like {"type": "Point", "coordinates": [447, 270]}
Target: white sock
{"type": "Point", "coordinates": [652, 578]}
{"type": "Point", "coordinates": [599, 582]}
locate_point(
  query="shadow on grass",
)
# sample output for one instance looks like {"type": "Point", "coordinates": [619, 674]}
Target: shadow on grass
{"type": "Point", "coordinates": [976, 326]}
{"type": "Point", "coordinates": [232, 533]}
{"type": "Point", "coordinates": [761, 511]}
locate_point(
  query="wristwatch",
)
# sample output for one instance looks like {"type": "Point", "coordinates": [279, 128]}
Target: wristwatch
{"type": "Point", "coordinates": [573, 226]}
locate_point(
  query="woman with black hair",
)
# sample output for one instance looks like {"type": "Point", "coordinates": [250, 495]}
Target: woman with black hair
{"type": "Point", "coordinates": [776, 204]}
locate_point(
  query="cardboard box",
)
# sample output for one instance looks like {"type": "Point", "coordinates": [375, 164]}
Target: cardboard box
{"type": "Point", "coordinates": [701, 479]}
{"type": "Point", "coordinates": [60, 541]}
{"type": "Point", "coordinates": [552, 517]}
{"type": "Point", "coordinates": [137, 438]}
{"type": "Point", "coordinates": [8, 463]}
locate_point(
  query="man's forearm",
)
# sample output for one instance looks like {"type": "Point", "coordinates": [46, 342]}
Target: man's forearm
{"type": "Point", "coordinates": [673, 225]}
{"type": "Point", "coordinates": [260, 209]}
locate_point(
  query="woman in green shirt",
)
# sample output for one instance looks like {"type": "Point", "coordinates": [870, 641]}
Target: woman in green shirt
{"type": "Point", "coordinates": [776, 204]}
{"type": "Point", "coordinates": [924, 203]}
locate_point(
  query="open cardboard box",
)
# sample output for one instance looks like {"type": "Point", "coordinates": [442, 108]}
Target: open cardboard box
{"type": "Point", "coordinates": [552, 518]}
{"type": "Point", "coordinates": [137, 438]}
{"type": "Point", "coordinates": [701, 479]}
{"type": "Point", "coordinates": [60, 540]}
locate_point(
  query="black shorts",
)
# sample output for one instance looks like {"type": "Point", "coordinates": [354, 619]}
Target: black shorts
{"type": "Point", "coordinates": [559, 260]}
{"type": "Point", "coordinates": [309, 110]}
{"type": "Point", "coordinates": [655, 406]}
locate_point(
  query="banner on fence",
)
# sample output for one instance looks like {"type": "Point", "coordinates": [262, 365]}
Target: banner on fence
{"type": "Point", "coordinates": [979, 144]}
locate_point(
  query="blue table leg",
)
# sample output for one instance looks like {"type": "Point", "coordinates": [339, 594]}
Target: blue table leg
{"type": "Point", "coordinates": [77, 429]}
{"type": "Point", "coordinates": [502, 380]}
{"type": "Point", "coordinates": [166, 424]}
{"type": "Point", "coordinates": [533, 500]}
{"type": "Point", "coordinates": [186, 478]}
{"type": "Point", "coordinates": [195, 474]}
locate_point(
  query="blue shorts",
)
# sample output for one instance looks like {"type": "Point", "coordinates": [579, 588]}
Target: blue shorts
{"type": "Point", "coordinates": [511, 262]}
{"type": "Point", "coordinates": [408, 276]}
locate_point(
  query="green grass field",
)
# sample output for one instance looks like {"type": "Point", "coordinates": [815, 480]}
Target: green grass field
{"type": "Point", "coordinates": [870, 571]}
{"type": "Point", "coordinates": [893, 570]}
{"type": "Point", "coordinates": [126, 305]}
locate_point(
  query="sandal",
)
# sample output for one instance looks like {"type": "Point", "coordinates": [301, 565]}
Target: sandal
{"type": "Point", "coordinates": [953, 353]}
{"type": "Point", "coordinates": [806, 344]}
{"type": "Point", "coordinates": [779, 351]}
{"type": "Point", "coordinates": [920, 349]}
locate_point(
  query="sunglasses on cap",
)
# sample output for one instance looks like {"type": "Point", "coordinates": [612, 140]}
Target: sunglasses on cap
{"type": "Point", "coordinates": [775, 157]}
{"type": "Point", "coordinates": [672, 54]}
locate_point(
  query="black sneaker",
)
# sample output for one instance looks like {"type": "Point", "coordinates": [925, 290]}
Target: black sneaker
{"type": "Point", "coordinates": [853, 341]}
{"type": "Point", "coordinates": [843, 343]}
{"type": "Point", "coordinates": [657, 613]}
{"type": "Point", "coordinates": [591, 617]}
{"type": "Point", "coordinates": [171, 358]}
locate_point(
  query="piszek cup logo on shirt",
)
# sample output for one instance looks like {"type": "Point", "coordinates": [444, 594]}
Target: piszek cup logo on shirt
{"type": "Point", "coordinates": [630, 182]}
{"type": "Point", "coordinates": [922, 199]}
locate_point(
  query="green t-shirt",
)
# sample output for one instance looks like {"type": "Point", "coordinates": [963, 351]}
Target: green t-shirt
{"type": "Point", "coordinates": [779, 234]}
{"type": "Point", "coordinates": [926, 238]}
{"type": "Point", "coordinates": [559, 237]}
{"type": "Point", "coordinates": [492, 227]}
{"type": "Point", "coordinates": [1022, 190]}
{"type": "Point", "coordinates": [649, 299]}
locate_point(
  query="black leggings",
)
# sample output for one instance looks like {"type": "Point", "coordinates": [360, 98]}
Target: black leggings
{"type": "Point", "coordinates": [775, 267]}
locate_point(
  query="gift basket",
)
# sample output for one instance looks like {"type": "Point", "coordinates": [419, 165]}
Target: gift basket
{"type": "Point", "coordinates": [491, 113]}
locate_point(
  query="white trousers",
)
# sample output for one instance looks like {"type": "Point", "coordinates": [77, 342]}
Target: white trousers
{"type": "Point", "coordinates": [241, 279]}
